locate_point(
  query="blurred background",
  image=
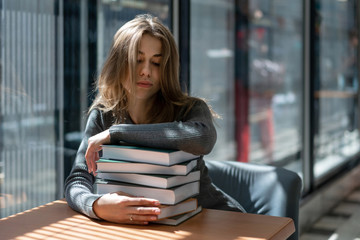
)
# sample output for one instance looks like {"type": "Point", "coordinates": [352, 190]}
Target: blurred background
{"type": "Point", "coordinates": [282, 74]}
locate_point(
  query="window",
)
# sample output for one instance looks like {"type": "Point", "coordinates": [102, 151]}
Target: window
{"type": "Point", "coordinates": [47, 72]}
{"type": "Point", "coordinates": [270, 83]}
{"type": "Point", "coordinates": [30, 105]}
{"type": "Point", "coordinates": [212, 44]}
{"type": "Point", "coordinates": [247, 61]}
{"type": "Point", "coordinates": [336, 83]}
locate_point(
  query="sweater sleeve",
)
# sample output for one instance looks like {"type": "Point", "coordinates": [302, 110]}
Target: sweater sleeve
{"type": "Point", "coordinates": [79, 185]}
{"type": "Point", "coordinates": [194, 133]}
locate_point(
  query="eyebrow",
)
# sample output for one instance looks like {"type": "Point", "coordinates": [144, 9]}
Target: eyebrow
{"type": "Point", "coordinates": [156, 55]}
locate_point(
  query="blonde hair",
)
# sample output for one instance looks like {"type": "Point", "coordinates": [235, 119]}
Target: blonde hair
{"type": "Point", "coordinates": [120, 65]}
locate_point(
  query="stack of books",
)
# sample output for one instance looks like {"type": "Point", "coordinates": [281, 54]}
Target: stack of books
{"type": "Point", "coordinates": [165, 175]}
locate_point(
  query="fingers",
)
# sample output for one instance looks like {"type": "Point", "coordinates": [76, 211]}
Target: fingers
{"type": "Point", "coordinates": [142, 209]}
{"type": "Point", "coordinates": [140, 201]}
{"type": "Point", "coordinates": [93, 162]}
{"type": "Point", "coordinates": [94, 146]}
{"type": "Point", "coordinates": [88, 157]}
{"type": "Point", "coordinates": [145, 211]}
{"type": "Point", "coordinates": [96, 158]}
{"type": "Point", "coordinates": [143, 215]}
{"type": "Point", "coordinates": [91, 156]}
{"type": "Point", "coordinates": [141, 219]}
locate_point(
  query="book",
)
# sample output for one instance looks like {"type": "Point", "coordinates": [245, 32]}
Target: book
{"type": "Point", "coordinates": [109, 165]}
{"type": "Point", "coordinates": [160, 181]}
{"type": "Point", "coordinates": [146, 155]}
{"type": "Point", "coordinates": [185, 206]}
{"type": "Point", "coordinates": [168, 196]}
{"type": "Point", "coordinates": [176, 220]}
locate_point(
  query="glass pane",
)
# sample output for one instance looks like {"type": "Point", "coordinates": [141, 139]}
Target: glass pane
{"type": "Point", "coordinates": [113, 14]}
{"type": "Point", "coordinates": [29, 107]}
{"type": "Point", "coordinates": [336, 84]}
{"type": "Point", "coordinates": [212, 67]}
{"type": "Point", "coordinates": [269, 82]}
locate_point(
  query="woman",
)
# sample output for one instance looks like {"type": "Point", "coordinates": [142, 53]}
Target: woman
{"type": "Point", "coordinates": [139, 101]}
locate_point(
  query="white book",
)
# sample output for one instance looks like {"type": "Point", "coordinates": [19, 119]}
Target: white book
{"type": "Point", "coordinates": [176, 220]}
{"type": "Point", "coordinates": [160, 181]}
{"type": "Point", "coordinates": [109, 165]}
{"type": "Point", "coordinates": [168, 196]}
{"type": "Point", "coordinates": [146, 155]}
{"type": "Point", "coordinates": [185, 206]}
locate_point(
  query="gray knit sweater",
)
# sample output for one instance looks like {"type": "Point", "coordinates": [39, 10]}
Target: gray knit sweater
{"type": "Point", "coordinates": [193, 133]}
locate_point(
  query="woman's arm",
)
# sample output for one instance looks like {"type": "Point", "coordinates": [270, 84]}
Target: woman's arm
{"type": "Point", "coordinates": [194, 133]}
{"type": "Point", "coordinates": [79, 184]}
{"type": "Point", "coordinates": [114, 207]}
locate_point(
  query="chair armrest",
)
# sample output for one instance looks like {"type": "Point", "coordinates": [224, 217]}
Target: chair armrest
{"type": "Point", "coordinates": [260, 189]}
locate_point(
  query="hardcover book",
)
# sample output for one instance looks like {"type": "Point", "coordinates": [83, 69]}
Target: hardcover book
{"type": "Point", "coordinates": [168, 196]}
{"type": "Point", "coordinates": [177, 209]}
{"type": "Point", "coordinates": [160, 181]}
{"type": "Point", "coordinates": [146, 155]}
{"type": "Point", "coordinates": [109, 165]}
{"type": "Point", "coordinates": [176, 220]}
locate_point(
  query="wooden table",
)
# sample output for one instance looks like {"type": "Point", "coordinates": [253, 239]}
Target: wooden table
{"type": "Point", "coordinates": [56, 220]}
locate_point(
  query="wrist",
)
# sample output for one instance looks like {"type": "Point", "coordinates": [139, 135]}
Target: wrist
{"type": "Point", "coordinates": [95, 208]}
{"type": "Point", "coordinates": [107, 136]}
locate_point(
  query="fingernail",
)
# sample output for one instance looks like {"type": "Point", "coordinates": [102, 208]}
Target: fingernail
{"type": "Point", "coordinates": [157, 211]}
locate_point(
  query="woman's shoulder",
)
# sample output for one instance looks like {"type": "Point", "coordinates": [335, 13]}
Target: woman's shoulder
{"type": "Point", "coordinates": [96, 111]}
{"type": "Point", "coordinates": [196, 102]}
{"type": "Point", "coordinates": [194, 106]}
{"type": "Point", "coordinates": [97, 114]}
{"type": "Point", "coordinates": [192, 101]}
{"type": "Point", "coordinates": [202, 106]}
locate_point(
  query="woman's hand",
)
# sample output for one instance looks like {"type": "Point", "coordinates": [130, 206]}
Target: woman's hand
{"type": "Point", "coordinates": [115, 207]}
{"type": "Point", "coordinates": [94, 146]}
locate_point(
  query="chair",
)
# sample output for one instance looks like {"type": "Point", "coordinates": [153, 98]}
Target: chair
{"type": "Point", "coordinates": [260, 189]}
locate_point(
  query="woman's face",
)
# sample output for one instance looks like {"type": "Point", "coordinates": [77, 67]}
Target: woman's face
{"type": "Point", "coordinates": [147, 69]}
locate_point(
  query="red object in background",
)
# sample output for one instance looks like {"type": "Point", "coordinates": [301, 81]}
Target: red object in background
{"type": "Point", "coordinates": [242, 122]}
{"type": "Point", "coordinates": [243, 135]}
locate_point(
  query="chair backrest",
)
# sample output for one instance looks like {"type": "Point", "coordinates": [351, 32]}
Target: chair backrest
{"type": "Point", "coordinates": [260, 189]}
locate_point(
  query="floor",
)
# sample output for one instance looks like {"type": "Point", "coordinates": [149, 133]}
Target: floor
{"type": "Point", "coordinates": [341, 223]}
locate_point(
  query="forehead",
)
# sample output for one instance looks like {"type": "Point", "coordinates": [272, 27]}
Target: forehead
{"type": "Point", "coordinates": [150, 45]}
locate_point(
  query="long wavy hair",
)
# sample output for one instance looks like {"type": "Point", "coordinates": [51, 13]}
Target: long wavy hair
{"type": "Point", "coordinates": [120, 66]}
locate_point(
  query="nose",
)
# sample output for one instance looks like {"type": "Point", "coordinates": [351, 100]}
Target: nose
{"type": "Point", "coordinates": [145, 70]}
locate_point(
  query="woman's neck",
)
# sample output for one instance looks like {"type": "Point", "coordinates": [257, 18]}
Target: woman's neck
{"type": "Point", "coordinates": [138, 110]}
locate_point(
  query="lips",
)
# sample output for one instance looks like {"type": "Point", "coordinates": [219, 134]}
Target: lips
{"type": "Point", "coordinates": [144, 84]}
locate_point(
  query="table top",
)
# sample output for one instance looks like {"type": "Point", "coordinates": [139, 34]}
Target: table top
{"type": "Point", "coordinates": [56, 220]}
